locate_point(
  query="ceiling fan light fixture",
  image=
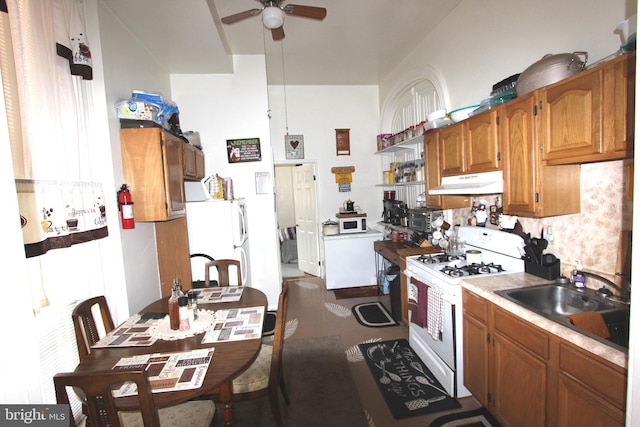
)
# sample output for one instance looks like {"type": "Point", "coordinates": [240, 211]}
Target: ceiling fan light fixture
{"type": "Point", "coordinates": [272, 17]}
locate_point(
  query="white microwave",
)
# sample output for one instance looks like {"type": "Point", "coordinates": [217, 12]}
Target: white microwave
{"type": "Point", "coordinates": [352, 223]}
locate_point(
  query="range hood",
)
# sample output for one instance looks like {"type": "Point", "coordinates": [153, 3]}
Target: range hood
{"type": "Point", "coordinates": [477, 183]}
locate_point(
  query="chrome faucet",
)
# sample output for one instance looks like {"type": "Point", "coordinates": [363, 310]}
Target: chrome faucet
{"type": "Point", "coordinates": [604, 291]}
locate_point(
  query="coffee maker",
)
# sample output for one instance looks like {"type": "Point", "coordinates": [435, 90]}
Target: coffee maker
{"type": "Point", "coordinates": [394, 212]}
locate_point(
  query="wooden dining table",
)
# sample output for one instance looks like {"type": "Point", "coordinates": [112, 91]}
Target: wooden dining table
{"type": "Point", "coordinates": [229, 358]}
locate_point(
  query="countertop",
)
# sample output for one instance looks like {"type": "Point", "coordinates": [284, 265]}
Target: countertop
{"type": "Point", "coordinates": [403, 250]}
{"type": "Point", "coordinates": [485, 287]}
{"type": "Point", "coordinates": [368, 234]}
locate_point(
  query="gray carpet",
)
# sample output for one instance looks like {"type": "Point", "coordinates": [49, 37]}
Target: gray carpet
{"type": "Point", "coordinates": [320, 387]}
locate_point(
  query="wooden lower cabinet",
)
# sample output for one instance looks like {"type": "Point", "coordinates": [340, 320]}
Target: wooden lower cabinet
{"type": "Point", "coordinates": [528, 377]}
{"type": "Point", "coordinates": [476, 358]}
{"type": "Point", "coordinates": [519, 387]}
{"type": "Point", "coordinates": [172, 244]}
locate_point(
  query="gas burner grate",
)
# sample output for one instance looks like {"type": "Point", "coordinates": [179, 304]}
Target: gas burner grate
{"type": "Point", "coordinates": [471, 269]}
{"type": "Point", "coordinates": [437, 258]}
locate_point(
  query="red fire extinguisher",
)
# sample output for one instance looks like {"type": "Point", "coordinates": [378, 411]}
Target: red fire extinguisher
{"type": "Point", "coordinates": [125, 204]}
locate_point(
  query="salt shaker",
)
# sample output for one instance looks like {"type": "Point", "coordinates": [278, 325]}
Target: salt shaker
{"type": "Point", "coordinates": [184, 314]}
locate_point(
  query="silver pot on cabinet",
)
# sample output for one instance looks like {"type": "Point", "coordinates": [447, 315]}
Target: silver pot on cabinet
{"type": "Point", "coordinates": [550, 69]}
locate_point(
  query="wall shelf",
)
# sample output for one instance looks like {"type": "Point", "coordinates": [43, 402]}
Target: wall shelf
{"type": "Point", "coordinates": [401, 184]}
{"type": "Point", "coordinates": [404, 145]}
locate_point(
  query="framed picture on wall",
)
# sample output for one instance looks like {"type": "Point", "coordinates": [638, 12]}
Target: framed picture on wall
{"type": "Point", "coordinates": [343, 145]}
{"type": "Point", "coordinates": [294, 146]}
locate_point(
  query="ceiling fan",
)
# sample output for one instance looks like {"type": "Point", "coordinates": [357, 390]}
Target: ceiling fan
{"type": "Point", "coordinates": [273, 15]}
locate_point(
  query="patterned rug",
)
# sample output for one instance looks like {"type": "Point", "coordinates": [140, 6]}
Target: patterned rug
{"type": "Point", "coordinates": [476, 418]}
{"type": "Point", "coordinates": [406, 384]}
{"type": "Point", "coordinates": [373, 315]}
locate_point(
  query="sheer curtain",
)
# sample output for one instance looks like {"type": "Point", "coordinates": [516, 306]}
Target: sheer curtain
{"type": "Point", "coordinates": [46, 67]}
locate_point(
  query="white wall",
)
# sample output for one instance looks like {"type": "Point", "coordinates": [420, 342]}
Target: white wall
{"type": "Point", "coordinates": [128, 66]}
{"type": "Point", "coordinates": [482, 42]}
{"type": "Point", "coordinates": [234, 106]}
{"type": "Point", "coordinates": [315, 112]}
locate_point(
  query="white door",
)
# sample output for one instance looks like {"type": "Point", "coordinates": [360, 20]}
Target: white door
{"type": "Point", "coordinates": [304, 196]}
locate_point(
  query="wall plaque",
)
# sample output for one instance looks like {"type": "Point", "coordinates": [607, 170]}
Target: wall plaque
{"type": "Point", "coordinates": [294, 146]}
{"type": "Point", "coordinates": [243, 150]}
{"type": "Point", "coordinates": [343, 145]}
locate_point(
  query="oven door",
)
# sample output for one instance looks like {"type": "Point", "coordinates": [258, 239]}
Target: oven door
{"type": "Point", "coordinates": [445, 345]}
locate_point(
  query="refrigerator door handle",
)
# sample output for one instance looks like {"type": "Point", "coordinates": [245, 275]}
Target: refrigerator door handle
{"type": "Point", "coordinates": [243, 227]}
{"type": "Point", "coordinates": [244, 265]}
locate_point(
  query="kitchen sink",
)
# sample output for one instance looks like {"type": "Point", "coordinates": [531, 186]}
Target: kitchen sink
{"type": "Point", "coordinates": [555, 302]}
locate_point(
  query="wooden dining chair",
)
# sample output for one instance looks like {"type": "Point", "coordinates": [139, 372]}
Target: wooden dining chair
{"type": "Point", "coordinates": [265, 377]}
{"type": "Point", "coordinates": [85, 325]}
{"type": "Point", "coordinates": [224, 267]}
{"type": "Point", "coordinates": [102, 412]}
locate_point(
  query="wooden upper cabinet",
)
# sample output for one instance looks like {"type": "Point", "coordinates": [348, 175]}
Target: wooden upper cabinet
{"type": "Point", "coordinates": [572, 116]}
{"type": "Point", "coordinates": [520, 157]}
{"type": "Point", "coordinates": [482, 144]}
{"type": "Point", "coordinates": [433, 176]}
{"type": "Point", "coordinates": [589, 117]}
{"type": "Point", "coordinates": [193, 167]}
{"type": "Point", "coordinates": [470, 146]}
{"type": "Point", "coordinates": [619, 103]}
{"type": "Point", "coordinates": [152, 167]}
{"type": "Point", "coordinates": [530, 187]}
{"type": "Point", "coordinates": [452, 149]}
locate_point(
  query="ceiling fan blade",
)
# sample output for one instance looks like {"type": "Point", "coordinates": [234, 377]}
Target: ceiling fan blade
{"type": "Point", "coordinates": [306, 11]}
{"type": "Point", "coordinates": [240, 16]}
{"type": "Point", "coordinates": [277, 33]}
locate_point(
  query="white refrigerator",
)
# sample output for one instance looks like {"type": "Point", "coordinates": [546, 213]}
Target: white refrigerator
{"type": "Point", "coordinates": [217, 228]}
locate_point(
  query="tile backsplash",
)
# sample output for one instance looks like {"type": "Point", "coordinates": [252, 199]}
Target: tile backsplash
{"type": "Point", "coordinates": [593, 234]}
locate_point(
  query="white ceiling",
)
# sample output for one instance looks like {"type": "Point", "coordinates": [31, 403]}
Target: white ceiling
{"type": "Point", "coordinates": [358, 42]}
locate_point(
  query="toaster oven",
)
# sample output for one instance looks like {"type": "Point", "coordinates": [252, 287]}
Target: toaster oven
{"type": "Point", "coordinates": [420, 219]}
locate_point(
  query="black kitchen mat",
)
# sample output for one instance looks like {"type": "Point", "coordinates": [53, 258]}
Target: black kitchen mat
{"type": "Point", "coordinates": [373, 315]}
{"type": "Point", "coordinates": [408, 387]}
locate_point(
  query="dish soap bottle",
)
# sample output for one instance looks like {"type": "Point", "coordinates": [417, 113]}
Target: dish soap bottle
{"type": "Point", "coordinates": [579, 279]}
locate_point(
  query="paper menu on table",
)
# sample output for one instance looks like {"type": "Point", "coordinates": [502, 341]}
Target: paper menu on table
{"type": "Point", "coordinates": [134, 332]}
{"type": "Point", "coordinates": [167, 371]}
{"type": "Point", "coordinates": [219, 294]}
{"type": "Point", "coordinates": [236, 324]}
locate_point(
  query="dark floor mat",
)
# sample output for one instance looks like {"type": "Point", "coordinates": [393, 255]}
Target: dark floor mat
{"type": "Point", "coordinates": [269, 324]}
{"type": "Point", "coordinates": [373, 315]}
{"type": "Point", "coordinates": [478, 417]}
{"type": "Point", "coordinates": [406, 384]}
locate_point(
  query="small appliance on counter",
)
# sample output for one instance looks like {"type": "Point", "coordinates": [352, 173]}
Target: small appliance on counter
{"type": "Point", "coordinates": [352, 223]}
{"type": "Point", "coordinates": [395, 212]}
{"type": "Point", "coordinates": [330, 228]}
{"type": "Point", "coordinates": [351, 219]}
{"type": "Point", "coordinates": [420, 219]}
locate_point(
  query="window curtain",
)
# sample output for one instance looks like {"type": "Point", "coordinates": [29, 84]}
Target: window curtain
{"type": "Point", "coordinates": [45, 57]}
{"type": "Point", "coordinates": [45, 47]}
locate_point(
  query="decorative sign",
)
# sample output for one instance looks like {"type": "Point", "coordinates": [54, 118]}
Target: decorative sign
{"type": "Point", "coordinates": [343, 177]}
{"type": "Point", "coordinates": [343, 146]}
{"type": "Point", "coordinates": [294, 146]}
{"type": "Point", "coordinates": [243, 150]}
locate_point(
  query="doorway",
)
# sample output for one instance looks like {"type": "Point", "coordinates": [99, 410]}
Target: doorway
{"type": "Point", "coordinates": [296, 211]}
